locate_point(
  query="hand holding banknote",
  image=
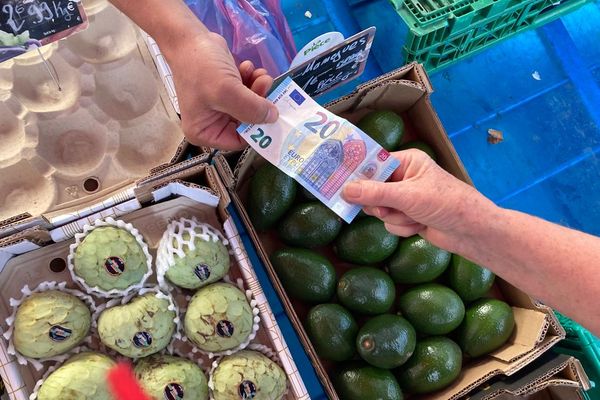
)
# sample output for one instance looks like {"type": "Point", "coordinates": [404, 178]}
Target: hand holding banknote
{"type": "Point", "coordinates": [317, 148]}
{"type": "Point", "coordinates": [422, 198]}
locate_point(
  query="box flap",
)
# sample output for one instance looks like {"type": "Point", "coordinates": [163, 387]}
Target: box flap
{"type": "Point", "coordinates": [531, 327]}
{"type": "Point", "coordinates": [549, 370]}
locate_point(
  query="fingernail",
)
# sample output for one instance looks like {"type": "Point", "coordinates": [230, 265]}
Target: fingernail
{"type": "Point", "coordinates": [272, 115]}
{"type": "Point", "coordinates": [353, 190]}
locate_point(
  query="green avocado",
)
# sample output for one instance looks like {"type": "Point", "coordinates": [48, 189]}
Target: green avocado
{"type": "Point", "coordinates": [310, 225]}
{"type": "Point", "coordinates": [468, 279]}
{"type": "Point", "coordinates": [384, 127]}
{"type": "Point", "coordinates": [366, 290]}
{"type": "Point", "coordinates": [417, 261]}
{"type": "Point", "coordinates": [432, 309]}
{"type": "Point", "coordinates": [417, 144]}
{"type": "Point", "coordinates": [386, 341]}
{"type": "Point", "coordinates": [435, 364]}
{"type": "Point", "coordinates": [365, 241]}
{"type": "Point", "coordinates": [487, 326]}
{"type": "Point", "coordinates": [304, 274]}
{"type": "Point", "coordinates": [359, 381]}
{"type": "Point", "coordinates": [272, 193]}
{"type": "Point", "coordinates": [332, 331]}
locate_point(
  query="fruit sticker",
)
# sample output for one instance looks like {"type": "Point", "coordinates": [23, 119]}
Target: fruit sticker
{"type": "Point", "coordinates": [247, 390]}
{"type": "Point", "coordinates": [142, 339]}
{"type": "Point", "coordinates": [58, 333]}
{"type": "Point", "coordinates": [202, 271]}
{"type": "Point", "coordinates": [225, 328]}
{"type": "Point", "coordinates": [173, 391]}
{"type": "Point", "coordinates": [114, 265]}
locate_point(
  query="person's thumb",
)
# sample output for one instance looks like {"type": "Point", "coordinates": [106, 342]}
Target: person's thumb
{"type": "Point", "coordinates": [246, 106]}
{"type": "Point", "coordinates": [375, 194]}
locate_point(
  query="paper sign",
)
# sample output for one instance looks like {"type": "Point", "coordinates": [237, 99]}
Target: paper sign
{"type": "Point", "coordinates": [334, 67]}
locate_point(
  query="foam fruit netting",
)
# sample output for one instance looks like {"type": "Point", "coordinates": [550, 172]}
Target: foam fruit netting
{"type": "Point", "coordinates": [108, 121]}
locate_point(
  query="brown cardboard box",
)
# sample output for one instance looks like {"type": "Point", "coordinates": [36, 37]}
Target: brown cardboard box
{"type": "Point", "coordinates": [551, 377]}
{"type": "Point", "coordinates": [407, 91]}
{"type": "Point", "coordinates": [31, 257]}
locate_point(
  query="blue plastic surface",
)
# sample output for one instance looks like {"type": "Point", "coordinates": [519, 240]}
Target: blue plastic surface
{"type": "Point", "coordinates": [548, 164]}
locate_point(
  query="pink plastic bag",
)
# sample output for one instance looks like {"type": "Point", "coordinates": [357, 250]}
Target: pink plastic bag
{"type": "Point", "coordinates": [255, 30]}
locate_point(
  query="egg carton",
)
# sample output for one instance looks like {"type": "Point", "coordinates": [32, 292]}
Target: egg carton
{"type": "Point", "coordinates": [111, 121]}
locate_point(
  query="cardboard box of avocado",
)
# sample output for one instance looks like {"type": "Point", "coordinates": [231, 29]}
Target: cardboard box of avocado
{"type": "Point", "coordinates": [226, 327]}
{"type": "Point", "coordinates": [346, 328]}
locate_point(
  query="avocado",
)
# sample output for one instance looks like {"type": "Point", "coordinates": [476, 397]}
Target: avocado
{"type": "Point", "coordinates": [272, 193]}
{"type": "Point", "coordinates": [304, 274]}
{"type": "Point", "coordinates": [386, 341]}
{"type": "Point", "coordinates": [308, 195]}
{"type": "Point", "coordinates": [417, 144]}
{"type": "Point", "coordinates": [468, 279]}
{"type": "Point", "coordinates": [310, 225]}
{"type": "Point", "coordinates": [487, 326]}
{"type": "Point", "coordinates": [332, 331]}
{"type": "Point", "coordinates": [384, 127]}
{"type": "Point", "coordinates": [366, 290]}
{"type": "Point", "coordinates": [365, 241]}
{"type": "Point", "coordinates": [359, 381]}
{"type": "Point", "coordinates": [432, 309]}
{"type": "Point", "coordinates": [435, 364]}
{"type": "Point", "coordinates": [417, 261]}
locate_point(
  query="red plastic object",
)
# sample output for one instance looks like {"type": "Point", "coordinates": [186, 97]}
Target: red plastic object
{"type": "Point", "coordinates": [124, 385]}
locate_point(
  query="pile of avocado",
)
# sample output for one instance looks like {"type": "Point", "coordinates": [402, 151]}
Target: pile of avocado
{"type": "Point", "coordinates": [397, 315]}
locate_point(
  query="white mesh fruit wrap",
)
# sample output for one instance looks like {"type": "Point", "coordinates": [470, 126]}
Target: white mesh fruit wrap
{"type": "Point", "coordinates": [96, 291]}
{"type": "Point", "coordinates": [43, 287]}
{"type": "Point", "coordinates": [255, 324]}
{"type": "Point", "coordinates": [124, 300]}
{"type": "Point", "coordinates": [261, 348]}
{"type": "Point", "coordinates": [173, 245]}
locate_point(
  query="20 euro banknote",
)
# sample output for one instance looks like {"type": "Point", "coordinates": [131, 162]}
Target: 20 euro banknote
{"type": "Point", "coordinates": [317, 148]}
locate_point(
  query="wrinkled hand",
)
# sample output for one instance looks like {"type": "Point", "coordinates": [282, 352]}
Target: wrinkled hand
{"type": "Point", "coordinates": [214, 95]}
{"type": "Point", "coordinates": [422, 198]}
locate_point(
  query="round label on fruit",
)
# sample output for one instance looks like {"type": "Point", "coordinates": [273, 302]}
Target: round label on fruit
{"type": "Point", "coordinates": [202, 271]}
{"type": "Point", "coordinates": [173, 391]}
{"type": "Point", "coordinates": [114, 265]}
{"type": "Point", "coordinates": [59, 333]}
{"type": "Point", "coordinates": [247, 390]}
{"type": "Point", "coordinates": [225, 328]}
{"type": "Point", "coordinates": [142, 339]}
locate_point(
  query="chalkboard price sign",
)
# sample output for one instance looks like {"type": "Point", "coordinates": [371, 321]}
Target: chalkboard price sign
{"type": "Point", "coordinates": [334, 67]}
{"type": "Point", "coordinates": [27, 24]}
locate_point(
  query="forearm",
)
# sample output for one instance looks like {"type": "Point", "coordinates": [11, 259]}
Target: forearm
{"type": "Point", "coordinates": [169, 22]}
{"type": "Point", "coordinates": [556, 265]}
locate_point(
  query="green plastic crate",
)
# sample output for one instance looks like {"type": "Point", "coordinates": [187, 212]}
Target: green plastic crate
{"type": "Point", "coordinates": [444, 31]}
{"type": "Point", "coordinates": [581, 344]}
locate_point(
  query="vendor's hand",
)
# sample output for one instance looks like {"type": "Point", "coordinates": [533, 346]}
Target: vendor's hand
{"type": "Point", "coordinates": [422, 198]}
{"type": "Point", "coordinates": [214, 95]}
